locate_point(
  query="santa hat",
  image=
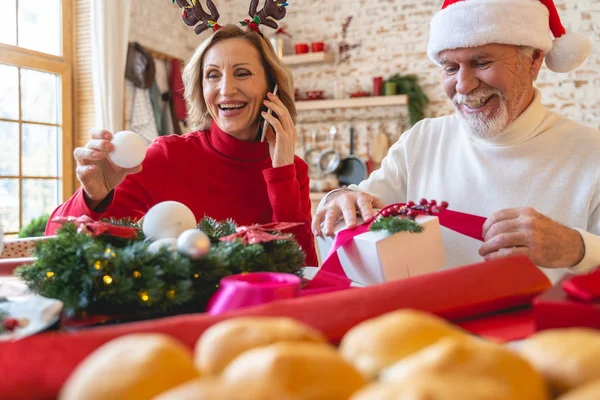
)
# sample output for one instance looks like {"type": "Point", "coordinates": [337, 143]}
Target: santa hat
{"type": "Point", "coordinates": [473, 23]}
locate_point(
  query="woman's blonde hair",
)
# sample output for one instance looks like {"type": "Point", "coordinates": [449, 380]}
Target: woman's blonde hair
{"type": "Point", "coordinates": [277, 72]}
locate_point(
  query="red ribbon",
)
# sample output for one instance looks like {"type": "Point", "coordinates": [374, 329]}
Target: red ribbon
{"type": "Point", "coordinates": [88, 226]}
{"type": "Point", "coordinates": [332, 273]}
{"type": "Point", "coordinates": [253, 234]}
{"type": "Point", "coordinates": [584, 287]}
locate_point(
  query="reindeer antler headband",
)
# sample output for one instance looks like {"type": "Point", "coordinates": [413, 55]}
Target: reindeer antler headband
{"type": "Point", "coordinates": [193, 13]}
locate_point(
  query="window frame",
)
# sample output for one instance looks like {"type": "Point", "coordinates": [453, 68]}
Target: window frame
{"type": "Point", "coordinates": [62, 66]}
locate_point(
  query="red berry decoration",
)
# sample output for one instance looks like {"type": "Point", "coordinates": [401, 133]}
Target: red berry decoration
{"type": "Point", "coordinates": [444, 205]}
{"type": "Point", "coordinates": [433, 203]}
{"type": "Point", "coordinates": [10, 324]}
{"type": "Point", "coordinates": [410, 204]}
{"type": "Point", "coordinates": [413, 213]}
{"type": "Point", "coordinates": [423, 202]}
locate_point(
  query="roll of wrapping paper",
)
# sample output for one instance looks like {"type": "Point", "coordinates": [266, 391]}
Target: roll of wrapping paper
{"type": "Point", "coordinates": [37, 366]}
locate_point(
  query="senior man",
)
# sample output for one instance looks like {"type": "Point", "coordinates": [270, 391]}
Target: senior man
{"type": "Point", "coordinates": [535, 175]}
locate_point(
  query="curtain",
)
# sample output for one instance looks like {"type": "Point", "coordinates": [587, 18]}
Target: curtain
{"type": "Point", "coordinates": [110, 34]}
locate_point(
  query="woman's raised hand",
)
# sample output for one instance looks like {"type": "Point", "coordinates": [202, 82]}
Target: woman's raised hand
{"type": "Point", "coordinates": [96, 172]}
{"type": "Point", "coordinates": [282, 142]}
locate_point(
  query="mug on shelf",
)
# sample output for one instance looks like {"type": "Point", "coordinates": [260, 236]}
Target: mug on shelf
{"type": "Point", "coordinates": [301, 48]}
{"type": "Point", "coordinates": [389, 88]}
{"type": "Point", "coordinates": [377, 85]}
{"type": "Point", "coordinates": [317, 47]}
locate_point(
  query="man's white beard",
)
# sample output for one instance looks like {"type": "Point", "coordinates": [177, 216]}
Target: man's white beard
{"type": "Point", "coordinates": [480, 125]}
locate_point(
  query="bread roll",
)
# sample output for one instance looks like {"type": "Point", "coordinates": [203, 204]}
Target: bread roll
{"type": "Point", "coordinates": [137, 366]}
{"type": "Point", "coordinates": [567, 358]}
{"type": "Point", "coordinates": [589, 391]}
{"type": "Point", "coordinates": [224, 341]}
{"type": "Point", "coordinates": [382, 341]}
{"type": "Point", "coordinates": [431, 386]}
{"type": "Point", "coordinates": [294, 371]}
{"type": "Point", "coordinates": [207, 389]}
{"type": "Point", "coordinates": [472, 359]}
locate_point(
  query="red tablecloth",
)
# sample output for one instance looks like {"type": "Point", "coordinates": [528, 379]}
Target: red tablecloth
{"type": "Point", "coordinates": [37, 366]}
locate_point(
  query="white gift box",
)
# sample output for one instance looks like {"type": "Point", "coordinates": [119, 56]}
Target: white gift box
{"type": "Point", "coordinates": [377, 257]}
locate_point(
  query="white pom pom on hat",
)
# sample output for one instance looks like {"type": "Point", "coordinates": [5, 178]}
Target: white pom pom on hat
{"type": "Point", "coordinates": [473, 23]}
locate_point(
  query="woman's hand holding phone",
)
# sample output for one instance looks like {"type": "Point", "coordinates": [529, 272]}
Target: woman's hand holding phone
{"type": "Point", "coordinates": [281, 137]}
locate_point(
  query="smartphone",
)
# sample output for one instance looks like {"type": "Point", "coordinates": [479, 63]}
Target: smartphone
{"type": "Point", "coordinates": [265, 124]}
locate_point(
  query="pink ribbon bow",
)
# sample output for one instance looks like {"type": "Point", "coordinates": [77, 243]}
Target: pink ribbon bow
{"type": "Point", "coordinates": [88, 226]}
{"type": "Point", "coordinates": [253, 234]}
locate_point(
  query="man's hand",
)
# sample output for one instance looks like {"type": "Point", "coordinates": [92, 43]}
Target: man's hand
{"type": "Point", "coordinates": [346, 203]}
{"type": "Point", "coordinates": [525, 231]}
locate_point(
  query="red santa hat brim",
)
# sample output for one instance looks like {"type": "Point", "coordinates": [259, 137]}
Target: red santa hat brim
{"type": "Point", "coordinates": [474, 23]}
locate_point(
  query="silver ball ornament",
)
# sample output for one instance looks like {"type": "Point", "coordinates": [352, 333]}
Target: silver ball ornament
{"type": "Point", "coordinates": [193, 243]}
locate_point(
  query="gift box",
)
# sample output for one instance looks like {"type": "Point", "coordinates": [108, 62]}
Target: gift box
{"type": "Point", "coordinates": [18, 252]}
{"type": "Point", "coordinates": [19, 248]}
{"type": "Point", "coordinates": [376, 257]}
{"type": "Point", "coordinates": [569, 304]}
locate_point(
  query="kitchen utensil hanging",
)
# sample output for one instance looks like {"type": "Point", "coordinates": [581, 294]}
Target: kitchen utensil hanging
{"type": "Point", "coordinates": [329, 160]}
{"type": "Point", "coordinates": [353, 170]}
{"type": "Point", "coordinates": [381, 145]}
{"type": "Point", "coordinates": [312, 154]}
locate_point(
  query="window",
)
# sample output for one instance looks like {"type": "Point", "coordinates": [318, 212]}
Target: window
{"type": "Point", "coordinates": [36, 109]}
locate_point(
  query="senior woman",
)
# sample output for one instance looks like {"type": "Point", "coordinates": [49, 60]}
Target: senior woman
{"type": "Point", "coordinates": [222, 169]}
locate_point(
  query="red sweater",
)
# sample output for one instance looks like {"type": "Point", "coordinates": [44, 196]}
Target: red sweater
{"type": "Point", "coordinates": [216, 175]}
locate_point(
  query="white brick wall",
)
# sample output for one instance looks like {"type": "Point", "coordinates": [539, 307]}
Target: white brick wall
{"type": "Point", "coordinates": [393, 36]}
{"type": "Point", "coordinates": [157, 24]}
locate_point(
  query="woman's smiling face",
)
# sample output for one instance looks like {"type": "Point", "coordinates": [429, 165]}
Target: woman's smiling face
{"type": "Point", "coordinates": [234, 84]}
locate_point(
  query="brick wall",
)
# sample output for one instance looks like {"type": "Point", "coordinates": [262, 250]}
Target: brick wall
{"type": "Point", "coordinates": [393, 36]}
{"type": "Point", "coordinates": [157, 24]}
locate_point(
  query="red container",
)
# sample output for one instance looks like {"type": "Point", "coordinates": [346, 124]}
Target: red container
{"type": "Point", "coordinates": [247, 290]}
{"type": "Point", "coordinates": [317, 47]}
{"type": "Point", "coordinates": [301, 48]}
{"type": "Point", "coordinates": [377, 85]}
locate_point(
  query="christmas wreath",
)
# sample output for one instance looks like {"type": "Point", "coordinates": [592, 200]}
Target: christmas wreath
{"type": "Point", "coordinates": [107, 267]}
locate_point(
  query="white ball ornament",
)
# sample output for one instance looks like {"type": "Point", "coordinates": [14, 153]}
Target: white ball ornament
{"type": "Point", "coordinates": [130, 149]}
{"type": "Point", "coordinates": [169, 243]}
{"type": "Point", "coordinates": [168, 219]}
{"type": "Point", "coordinates": [193, 243]}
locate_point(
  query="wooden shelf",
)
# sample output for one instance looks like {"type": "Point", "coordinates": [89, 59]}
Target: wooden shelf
{"type": "Point", "coordinates": [308, 58]}
{"type": "Point", "coordinates": [377, 101]}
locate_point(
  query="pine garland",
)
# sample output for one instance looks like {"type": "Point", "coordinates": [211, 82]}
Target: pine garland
{"type": "Point", "coordinates": [395, 224]}
{"type": "Point", "coordinates": [116, 276]}
{"type": "Point", "coordinates": [35, 228]}
{"type": "Point", "coordinates": [417, 100]}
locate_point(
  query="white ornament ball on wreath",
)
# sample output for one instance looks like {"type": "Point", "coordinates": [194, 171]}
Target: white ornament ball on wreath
{"type": "Point", "coordinates": [168, 219]}
{"type": "Point", "coordinates": [169, 243]}
{"type": "Point", "coordinates": [193, 243]}
{"type": "Point", "coordinates": [130, 149]}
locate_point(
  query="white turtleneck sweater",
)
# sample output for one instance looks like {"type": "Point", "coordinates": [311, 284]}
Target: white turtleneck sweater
{"type": "Point", "coordinates": [542, 160]}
